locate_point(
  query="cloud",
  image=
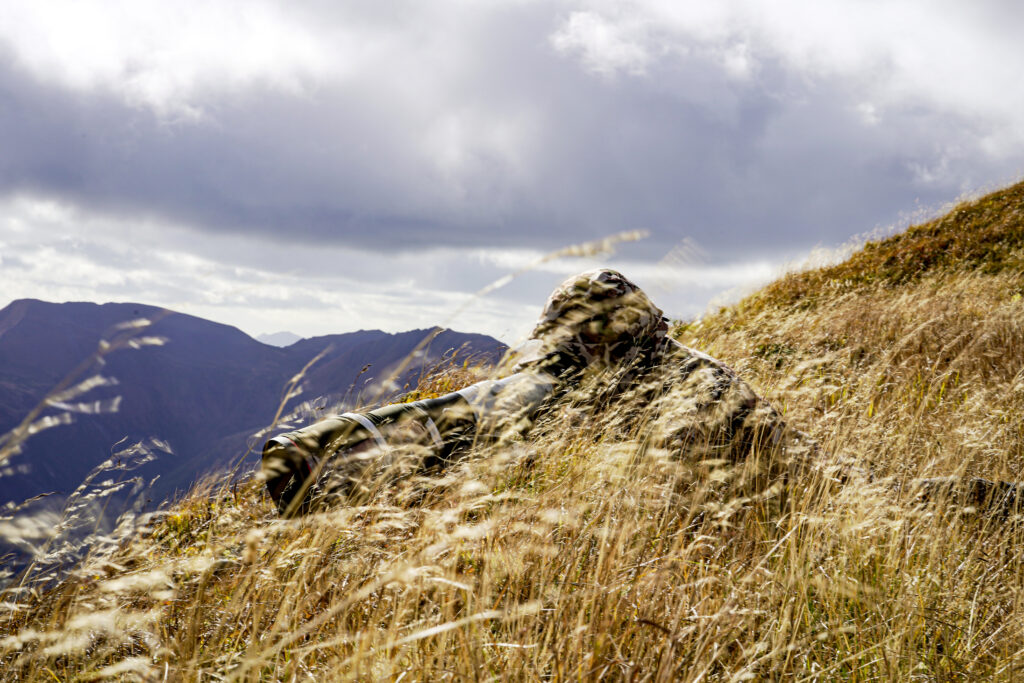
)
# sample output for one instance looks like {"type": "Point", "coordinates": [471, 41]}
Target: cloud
{"type": "Point", "coordinates": [163, 55]}
{"type": "Point", "coordinates": [238, 155]}
{"type": "Point", "coordinates": [56, 252]}
{"type": "Point", "coordinates": [948, 56]}
{"type": "Point", "coordinates": [603, 46]}
{"type": "Point", "coordinates": [459, 125]}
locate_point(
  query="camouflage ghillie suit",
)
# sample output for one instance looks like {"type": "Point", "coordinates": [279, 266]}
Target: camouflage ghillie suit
{"type": "Point", "coordinates": [599, 325]}
{"type": "Point", "coordinates": [601, 332]}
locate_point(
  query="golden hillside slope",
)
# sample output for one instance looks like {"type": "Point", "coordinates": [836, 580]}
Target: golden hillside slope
{"type": "Point", "coordinates": [579, 554]}
{"type": "Point", "coordinates": [914, 342]}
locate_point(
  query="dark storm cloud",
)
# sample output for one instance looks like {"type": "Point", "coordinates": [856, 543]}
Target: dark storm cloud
{"type": "Point", "coordinates": [504, 142]}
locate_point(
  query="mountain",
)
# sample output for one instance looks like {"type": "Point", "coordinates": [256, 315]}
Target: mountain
{"type": "Point", "coordinates": [197, 389]}
{"type": "Point", "coordinates": [279, 338]}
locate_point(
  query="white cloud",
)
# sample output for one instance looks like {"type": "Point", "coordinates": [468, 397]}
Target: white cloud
{"type": "Point", "coordinates": [959, 57]}
{"type": "Point", "coordinates": [868, 113]}
{"type": "Point", "coordinates": [161, 54]}
{"type": "Point", "coordinates": [604, 46]}
{"type": "Point", "coordinates": [667, 273]}
{"type": "Point", "coordinates": [56, 251]}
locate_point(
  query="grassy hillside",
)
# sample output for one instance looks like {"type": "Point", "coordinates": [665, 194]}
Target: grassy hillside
{"type": "Point", "coordinates": [581, 554]}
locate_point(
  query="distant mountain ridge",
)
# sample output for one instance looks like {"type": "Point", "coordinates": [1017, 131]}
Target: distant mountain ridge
{"type": "Point", "coordinates": [205, 391]}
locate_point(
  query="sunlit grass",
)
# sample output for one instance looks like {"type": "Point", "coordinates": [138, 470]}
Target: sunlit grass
{"type": "Point", "coordinates": [586, 552]}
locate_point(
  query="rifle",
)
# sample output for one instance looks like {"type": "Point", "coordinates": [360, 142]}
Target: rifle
{"type": "Point", "coordinates": [333, 458]}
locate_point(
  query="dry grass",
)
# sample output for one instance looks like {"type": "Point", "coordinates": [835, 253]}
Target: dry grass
{"type": "Point", "coordinates": [580, 554]}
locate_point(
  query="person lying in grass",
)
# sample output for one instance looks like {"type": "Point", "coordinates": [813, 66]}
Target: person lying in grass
{"type": "Point", "coordinates": [600, 343]}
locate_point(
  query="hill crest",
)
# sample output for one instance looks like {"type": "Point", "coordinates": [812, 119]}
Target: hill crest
{"type": "Point", "coordinates": [985, 235]}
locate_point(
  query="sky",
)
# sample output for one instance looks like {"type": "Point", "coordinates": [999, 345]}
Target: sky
{"type": "Point", "coordinates": [324, 166]}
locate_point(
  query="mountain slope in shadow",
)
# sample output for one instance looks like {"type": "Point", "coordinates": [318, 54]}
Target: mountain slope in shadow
{"type": "Point", "coordinates": [205, 381]}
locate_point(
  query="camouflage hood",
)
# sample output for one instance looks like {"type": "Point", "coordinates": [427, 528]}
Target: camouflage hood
{"type": "Point", "coordinates": [599, 318]}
